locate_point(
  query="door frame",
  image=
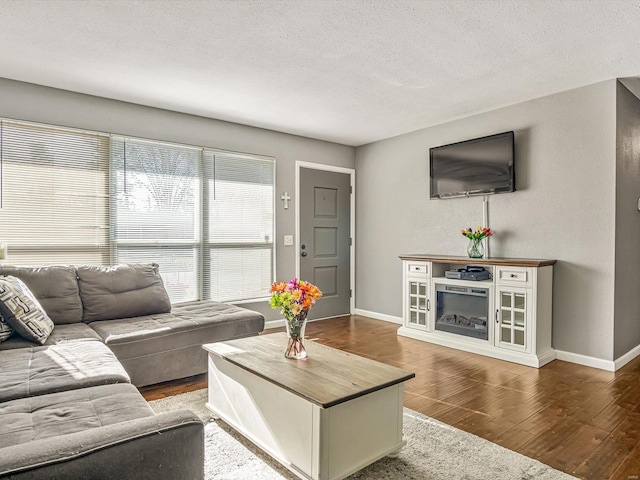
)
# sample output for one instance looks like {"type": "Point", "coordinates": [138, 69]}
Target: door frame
{"type": "Point", "coordinates": [352, 228]}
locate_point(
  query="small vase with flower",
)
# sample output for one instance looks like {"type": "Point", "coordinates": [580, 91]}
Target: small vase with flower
{"type": "Point", "coordinates": [294, 299]}
{"type": "Point", "coordinates": [476, 247]}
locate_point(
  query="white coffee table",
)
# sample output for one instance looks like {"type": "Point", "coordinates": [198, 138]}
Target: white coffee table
{"type": "Point", "coordinates": [324, 417]}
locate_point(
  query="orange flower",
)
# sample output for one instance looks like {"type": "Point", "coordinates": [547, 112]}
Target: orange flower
{"type": "Point", "coordinates": [278, 287]}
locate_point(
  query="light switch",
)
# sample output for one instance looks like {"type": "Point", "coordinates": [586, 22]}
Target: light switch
{"type": "Point", "coordinates": [288, 239]}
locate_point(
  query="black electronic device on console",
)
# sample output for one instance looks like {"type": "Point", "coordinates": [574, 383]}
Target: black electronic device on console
{"type": "Point", "coordinates": [468, 273]}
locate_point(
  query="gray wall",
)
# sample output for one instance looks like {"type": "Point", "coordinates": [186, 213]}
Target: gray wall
{"type": "Point", "coordinates": [627, 272]}
{"type": "Point", "coordinates": [25, 101]}
{"type": "Point", "coordinates": [564, 208]}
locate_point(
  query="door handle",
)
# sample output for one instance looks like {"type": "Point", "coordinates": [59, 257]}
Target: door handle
{"type": "Point", "coordinates": [304, 254]}
{"type": "Point", "coordinates": [428, 305]}
{"type": "Point", "coordinates": [497, 310]}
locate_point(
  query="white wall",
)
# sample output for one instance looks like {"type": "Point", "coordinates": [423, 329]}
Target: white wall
{"type": "Point", "coordinates": [23, 101]}
{"type": "Point", "coordinates": [564, 208]}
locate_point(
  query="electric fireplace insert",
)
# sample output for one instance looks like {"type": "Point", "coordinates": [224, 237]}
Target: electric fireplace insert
{"type": "Point", "coordinates": [462, 310]}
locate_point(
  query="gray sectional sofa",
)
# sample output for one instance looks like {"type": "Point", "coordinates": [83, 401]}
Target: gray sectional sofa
{"type": "Point", "coordinates": [69, 407]}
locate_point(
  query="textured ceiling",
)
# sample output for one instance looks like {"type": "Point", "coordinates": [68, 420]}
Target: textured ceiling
{"type": "Point", "coordinates": [349, 71]}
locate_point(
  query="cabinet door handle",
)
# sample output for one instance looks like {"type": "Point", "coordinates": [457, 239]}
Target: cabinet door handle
{"type": "Point", "coordinates": [428, 305]}
{"type": "Point", "coordinates": [513, 275]}
{"type": "Point", "coordinates": [497, 310]}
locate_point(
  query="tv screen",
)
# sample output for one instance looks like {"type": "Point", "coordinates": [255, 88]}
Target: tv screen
{"type": "Point", "coordinates": [481, 166]}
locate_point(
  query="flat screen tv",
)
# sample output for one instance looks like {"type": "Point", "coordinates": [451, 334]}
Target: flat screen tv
{"type": "Point", "coordinates": [481, 166]}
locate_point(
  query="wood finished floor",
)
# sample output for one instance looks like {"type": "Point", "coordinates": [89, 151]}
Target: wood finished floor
{"type": "Point", "coordinates": [580, 420]}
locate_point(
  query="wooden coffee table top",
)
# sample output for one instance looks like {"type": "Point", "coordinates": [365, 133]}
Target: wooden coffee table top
{"type": "Point", "coordinates": [326, 377]}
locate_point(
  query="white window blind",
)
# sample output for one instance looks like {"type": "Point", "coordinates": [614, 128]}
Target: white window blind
{"type": "Point", "coordinates": [206, 217]}
{"type": "Point", "coordinates": [156, 210]}
{"type": "Point", "coordinates": [54, 194]}
{"type": "Point", "coordinates": [239, 227]}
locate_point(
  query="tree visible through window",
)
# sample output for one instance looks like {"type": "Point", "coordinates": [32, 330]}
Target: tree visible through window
{"type": "Point", "coordinates": [156, 214]}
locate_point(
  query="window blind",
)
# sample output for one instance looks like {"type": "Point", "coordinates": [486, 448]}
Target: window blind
{"type": "Point", "coordinates": [205, 216]}
{"type": "Point", "coordinates": [156, 205]}
{"type": "Point", "coordinates": [239, 228]}
{"type": "Point", "coordinates": [54, 194]}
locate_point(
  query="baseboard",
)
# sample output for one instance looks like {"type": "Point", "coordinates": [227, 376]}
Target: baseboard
{"type": "Point", "coordinates": [547, 357]}
{"type": "Point", "coordinates": [358, 311]}
{"type": "Point", "coordinates": [378, 316]}
{"type": "Point", "coordinates": [274, 324]}
{"type": "Point", "coordinates": [587, 361]}
{"type": "Point", "coordinates": [280, 322]}
{"type": "Point", "coordinates": [627, 357]}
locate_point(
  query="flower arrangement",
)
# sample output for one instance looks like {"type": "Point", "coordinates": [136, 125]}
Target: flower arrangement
{"type": "Point", "coordinates": [478, 234]}
{"type": "Point", "coordinates": [475, 249]}
{"type": "Point", "coordinates": [294, 299]}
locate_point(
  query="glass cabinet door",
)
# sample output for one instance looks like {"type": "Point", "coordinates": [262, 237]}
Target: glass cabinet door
{"type": "Point", "coordinates": [418, 303]}
{"type": "Point", "coordinates": [511, 318]}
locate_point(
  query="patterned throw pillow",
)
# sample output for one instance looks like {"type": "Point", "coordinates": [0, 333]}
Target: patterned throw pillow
{"type": "Point", "coordinates": [22, 311]}
{"type": "Point", "coordinates": [5, 329]}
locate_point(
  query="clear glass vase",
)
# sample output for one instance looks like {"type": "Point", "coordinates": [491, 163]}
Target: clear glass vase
{"type": "Point", "coordinates": [475, 248]}
{"type": "Point", "coordinates": [295, 336]}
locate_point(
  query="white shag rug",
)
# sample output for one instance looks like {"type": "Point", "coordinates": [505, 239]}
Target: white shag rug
{"type": "Point", "coordinates": [434, 451]}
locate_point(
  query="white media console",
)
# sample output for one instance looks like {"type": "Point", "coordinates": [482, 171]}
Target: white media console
{"type": "Point", "coordinates": [507, 316]}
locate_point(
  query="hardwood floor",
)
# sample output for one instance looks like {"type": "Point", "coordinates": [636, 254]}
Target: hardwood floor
{"type": "Point", "coordinates": [580, 420]}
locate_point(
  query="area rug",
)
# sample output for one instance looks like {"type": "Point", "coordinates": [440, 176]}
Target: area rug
{"type": "Point", "coordinates": [434, 451]}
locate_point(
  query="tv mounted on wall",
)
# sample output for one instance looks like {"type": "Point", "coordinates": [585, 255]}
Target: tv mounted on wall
{"type": "Point", "coordinates": [481, 166]}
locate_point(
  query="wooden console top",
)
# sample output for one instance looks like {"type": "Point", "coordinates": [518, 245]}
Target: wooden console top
{"type": "Point", "coordinates": [326, 377]}
{"type": "Point", "coordinates": [510, 262]}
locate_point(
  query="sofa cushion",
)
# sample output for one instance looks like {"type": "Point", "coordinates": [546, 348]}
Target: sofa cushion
{"type": "Point", "coordinates": [22, 311]}
{"type": "Point", "coordinates": [121, 291]}
{"type": "Point", "coordinates": [68, 333]}
{"type": "Point", "coordinates": [156, 348]}
{"type": "Point", "coordinates": [193, 323]}
{"type": "Point", "coordinates": [46, 416]}
{"type": "Point", "coordinates": [72, 333]}
{"type": "Point", "coordinates": [55, 287]}
{"type": "Point", "coordinates": [28, 372]}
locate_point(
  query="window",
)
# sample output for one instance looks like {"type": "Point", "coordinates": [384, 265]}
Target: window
{"type": "Point", "coordinates": [54, 194]}
{"type": "Point", "coordinates": [156, 210]}
{"type": "Point", "coordinates": [239, 229]}
{"type": "Point", "coordinates": [205, 216]}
